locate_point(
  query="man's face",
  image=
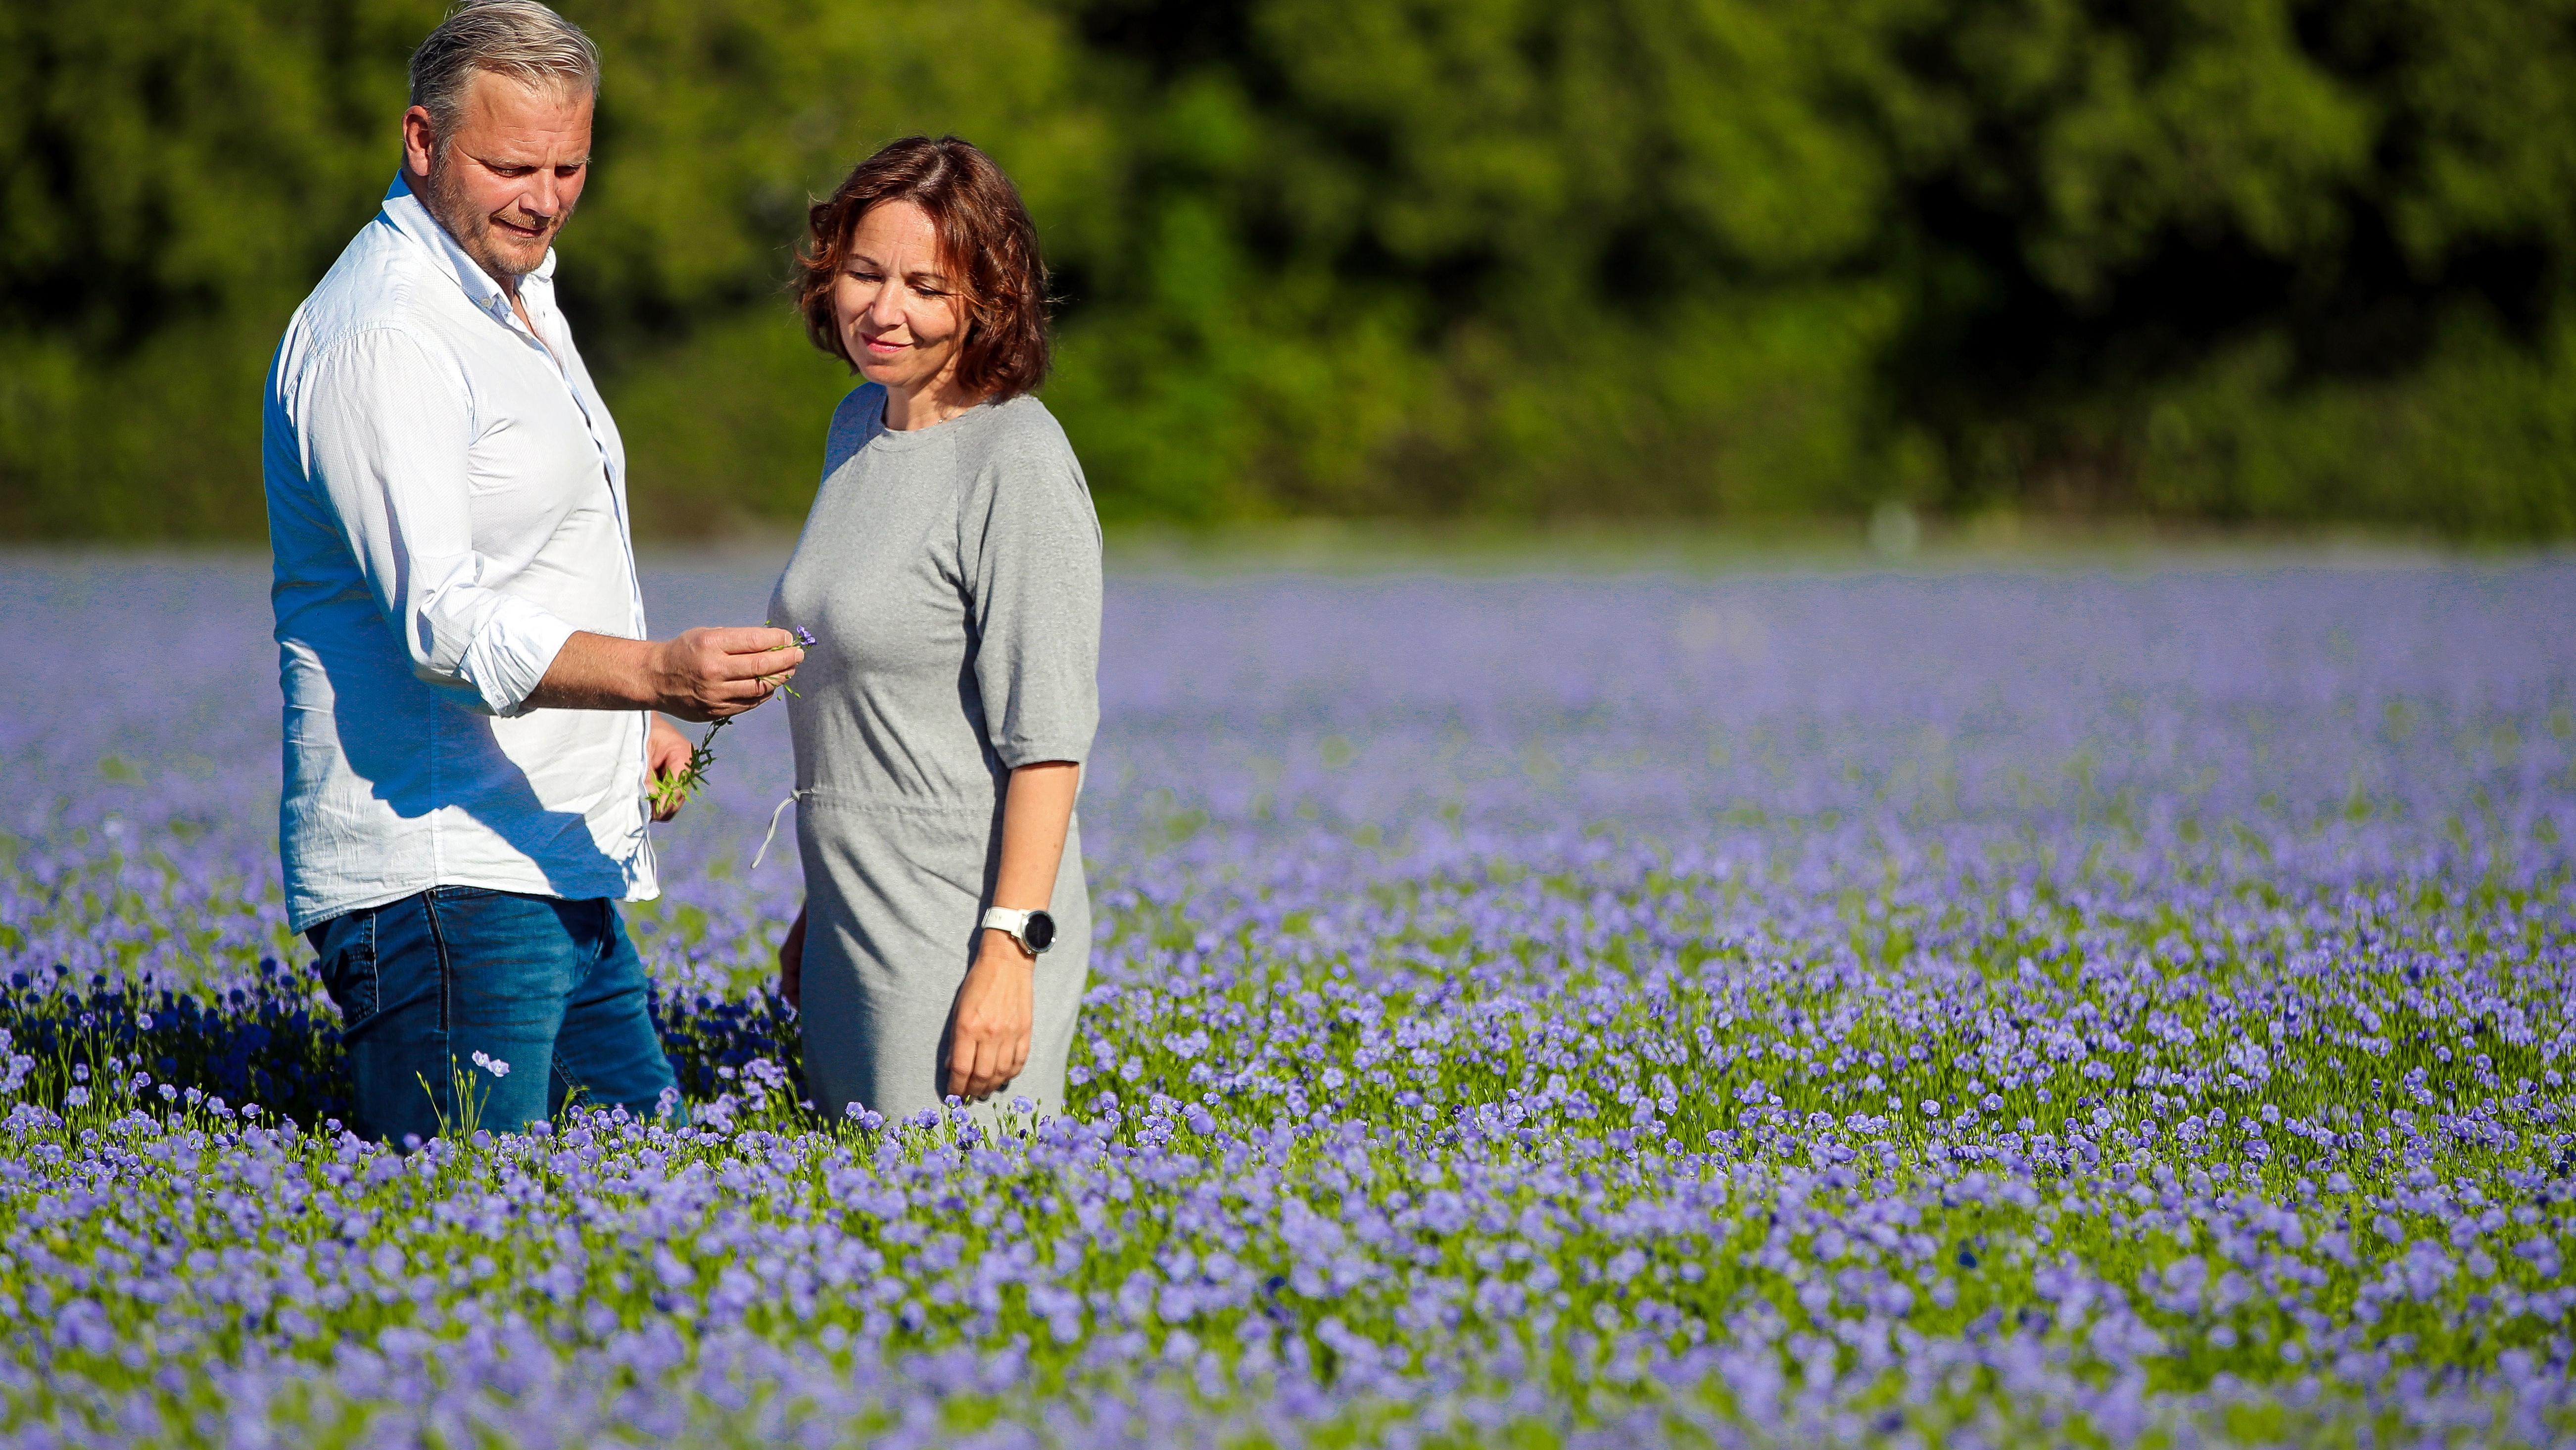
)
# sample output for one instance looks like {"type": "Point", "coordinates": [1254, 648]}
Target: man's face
{"type": "Point", "coordinates": [503, 181]}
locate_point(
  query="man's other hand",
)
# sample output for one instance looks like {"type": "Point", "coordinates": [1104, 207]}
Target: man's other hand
{"type": "Point", "coordinates": [666, 754]}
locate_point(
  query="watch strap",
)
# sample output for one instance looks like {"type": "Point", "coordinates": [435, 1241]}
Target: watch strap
{"type": "Point", "coordinates": [1013, 922]}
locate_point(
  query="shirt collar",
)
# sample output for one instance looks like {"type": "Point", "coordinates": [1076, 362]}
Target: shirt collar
{"type": "Point", "coordinates": [405, 213]}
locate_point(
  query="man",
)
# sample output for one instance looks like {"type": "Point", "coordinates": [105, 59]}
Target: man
{"type": "Point", "coordinates": [461, 642]}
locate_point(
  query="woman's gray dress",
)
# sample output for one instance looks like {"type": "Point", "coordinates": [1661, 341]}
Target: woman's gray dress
{"type": "Point", "coordinates": [951, 577]}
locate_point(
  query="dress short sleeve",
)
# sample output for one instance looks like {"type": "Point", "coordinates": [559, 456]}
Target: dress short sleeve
{"type": "Point", "coordinates": [1030, 546]}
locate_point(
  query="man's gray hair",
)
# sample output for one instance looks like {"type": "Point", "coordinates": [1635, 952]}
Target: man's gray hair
{"type": "Point", "coordinates": [520, 39]}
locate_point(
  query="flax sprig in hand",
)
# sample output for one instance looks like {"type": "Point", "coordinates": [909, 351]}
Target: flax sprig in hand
{"type": "Point", "coordinates": [672, 790]}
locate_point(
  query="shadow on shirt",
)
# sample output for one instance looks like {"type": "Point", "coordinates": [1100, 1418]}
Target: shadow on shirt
{"type": "Point", "coordinates": [502, 774]}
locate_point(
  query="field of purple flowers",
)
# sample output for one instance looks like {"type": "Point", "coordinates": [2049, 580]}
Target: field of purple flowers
{"type": "Point", "coordinates": [2004, 1008]}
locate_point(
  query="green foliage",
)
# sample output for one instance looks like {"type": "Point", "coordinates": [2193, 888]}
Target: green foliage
{"type": "Point", "coordinates": [2250, 259]}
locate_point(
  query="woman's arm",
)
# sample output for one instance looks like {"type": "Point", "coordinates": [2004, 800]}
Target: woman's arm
{"type": "Point", "coordinates": [989, 1027]}
{"type": "Point", "coordinates": [791, 963]}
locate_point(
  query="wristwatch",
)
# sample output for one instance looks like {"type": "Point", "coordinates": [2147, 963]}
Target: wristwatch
{"type": "Point", "coordinates": [1033, 930]}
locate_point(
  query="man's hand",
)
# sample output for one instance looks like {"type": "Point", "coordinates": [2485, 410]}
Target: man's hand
{"type": "Point", "coordinates": [708, 674]}
{"type": "Point", "coordinates": [988, 1030]}
{"type": "Point", "coordinates": [703, 674]}
{"type": "Point", "coordinates": [791, 963]}
{"type": "Point", "coordinates": [666, 754]}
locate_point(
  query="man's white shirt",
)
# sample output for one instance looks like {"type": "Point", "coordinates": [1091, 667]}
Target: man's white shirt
{"type": "Point", "coordinates": [447, 505]}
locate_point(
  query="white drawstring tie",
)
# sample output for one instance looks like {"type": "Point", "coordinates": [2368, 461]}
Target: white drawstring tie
{"type": "Point", "coordinates": [772, 832]}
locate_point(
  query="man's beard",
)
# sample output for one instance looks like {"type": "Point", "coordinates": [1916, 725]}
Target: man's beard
{"type": "Point", "coordinates": [471, 229]}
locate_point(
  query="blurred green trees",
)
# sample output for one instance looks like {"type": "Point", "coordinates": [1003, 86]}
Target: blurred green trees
{"type": "Point", "coordinates": [2244, 259]}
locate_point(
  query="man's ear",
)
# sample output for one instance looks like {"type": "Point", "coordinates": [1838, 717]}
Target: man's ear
{"type": "Point", "coordinates": [420, 140]}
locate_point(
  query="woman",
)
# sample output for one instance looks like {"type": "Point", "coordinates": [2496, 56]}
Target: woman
{"type": "Point", "coordinates": [950, 572]}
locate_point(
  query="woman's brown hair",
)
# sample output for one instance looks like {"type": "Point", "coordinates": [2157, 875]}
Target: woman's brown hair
{"type": "Point", "coordinates": [985, 240]}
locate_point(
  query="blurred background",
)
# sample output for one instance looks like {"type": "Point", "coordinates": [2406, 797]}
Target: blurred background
{"type": "Point", "coordinates": [2229, 261]}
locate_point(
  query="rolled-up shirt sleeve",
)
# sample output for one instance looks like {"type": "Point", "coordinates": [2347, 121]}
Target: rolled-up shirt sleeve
{"type": "Point", "coordinates": [386, 427]}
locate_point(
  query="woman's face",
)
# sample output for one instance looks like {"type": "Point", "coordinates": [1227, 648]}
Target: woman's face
{"type": "Point", "coordinates": [897, 308]}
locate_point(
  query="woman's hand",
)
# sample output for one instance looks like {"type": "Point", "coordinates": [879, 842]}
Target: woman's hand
{"type": "Point", "coordinates": [791, 963]}
{"type": "Point", "coordinates": [988, 1030]}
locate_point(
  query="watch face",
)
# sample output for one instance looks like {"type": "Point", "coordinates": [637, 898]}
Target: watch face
{"type": "Point", "coordinates": [1039, 933]}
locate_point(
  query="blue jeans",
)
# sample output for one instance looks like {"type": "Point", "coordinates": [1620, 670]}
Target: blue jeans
{"type": "Point", "coordinates": [551, 988]}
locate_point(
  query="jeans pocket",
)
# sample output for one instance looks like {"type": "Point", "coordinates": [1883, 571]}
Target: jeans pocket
{"type": "Point", "coordinates": [349, 967]}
